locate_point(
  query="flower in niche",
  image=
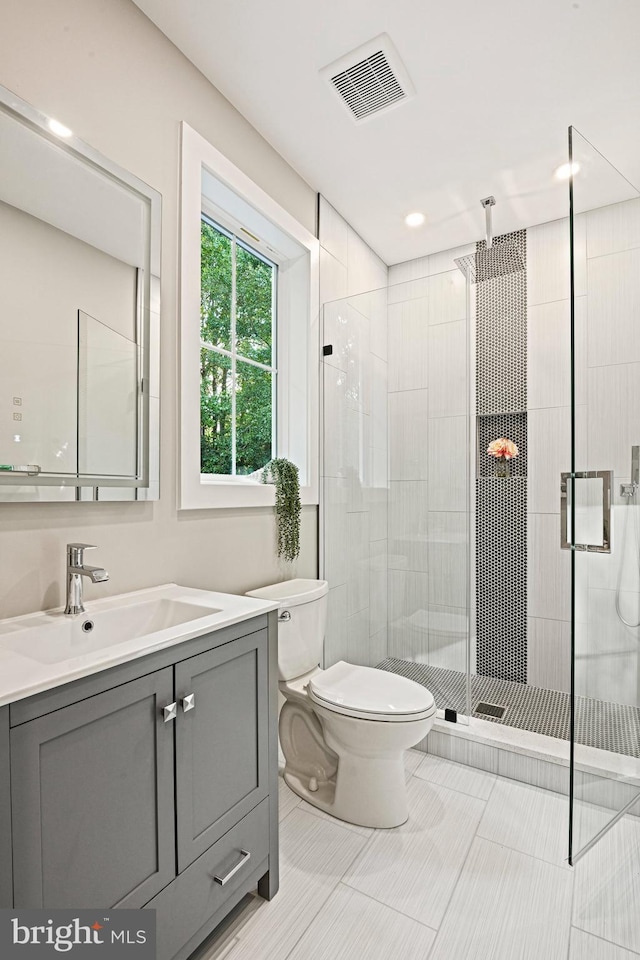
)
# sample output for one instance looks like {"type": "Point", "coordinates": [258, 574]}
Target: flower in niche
{"type": "Point", "coordinates": [502, 449]}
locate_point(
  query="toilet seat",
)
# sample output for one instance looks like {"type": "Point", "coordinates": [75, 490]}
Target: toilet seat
{"type": "Point", "coordinates": [369, 694]}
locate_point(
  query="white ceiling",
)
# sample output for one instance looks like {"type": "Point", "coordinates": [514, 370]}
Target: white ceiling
{"type": "Point", "coordinates": [497, 84]}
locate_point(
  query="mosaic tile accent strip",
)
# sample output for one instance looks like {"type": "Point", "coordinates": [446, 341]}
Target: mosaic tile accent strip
{"type": "Point", "coordinates": [501, 503]}
{"type": "Point", "coordinates": [607, 726]}
{"type": "Point", "coordinates": [501, 578]}
{"type": "Point", "coordinates": [501, 336]}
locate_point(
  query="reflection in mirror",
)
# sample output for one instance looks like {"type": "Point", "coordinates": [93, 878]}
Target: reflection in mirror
{"type": "Point", "coordinates": [79, 269]}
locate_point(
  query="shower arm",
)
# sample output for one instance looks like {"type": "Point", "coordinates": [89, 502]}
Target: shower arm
{"type": "Point", "coordinates": [487, 203]}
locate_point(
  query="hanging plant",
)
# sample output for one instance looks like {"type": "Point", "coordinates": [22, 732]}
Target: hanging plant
{"type": "Point", "coordinates": [284, 475]}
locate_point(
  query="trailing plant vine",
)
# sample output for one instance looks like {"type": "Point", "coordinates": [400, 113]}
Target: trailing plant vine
{"type": "Point", "coordinates": [284, 475]}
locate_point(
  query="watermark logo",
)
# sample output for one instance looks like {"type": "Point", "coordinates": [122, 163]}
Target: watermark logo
{"type": "Point", "coordinates": [78, 934]}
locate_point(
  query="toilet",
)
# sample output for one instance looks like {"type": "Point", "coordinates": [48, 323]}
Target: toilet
{"type": "Point", "coordinates": [343, 730]}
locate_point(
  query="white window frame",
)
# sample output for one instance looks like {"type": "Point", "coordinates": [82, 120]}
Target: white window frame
{"type": "Point", "coordinates": [296, 251]}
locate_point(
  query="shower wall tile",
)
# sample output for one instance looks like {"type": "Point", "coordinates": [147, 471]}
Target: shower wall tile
{"type": "Point", "coordinates": [408, 525]}
{"type": "Point", "coordinates": [365, 270]}
{"type": "Point", "coordinates": [447, 369]}
{"type": "Point", "coordinates": [333, 232]}
{"type": "Point", "coordinates": [605, 569]}
{"type": "Point", "coordinates": [548, 261]}
{"type": "Point", "coordinates": [613, 286]}
{"type": "Point", "coordinates": [549, 453]}
{"type": "Point", "coordinates": [549, 580]}
{"type": "Point", "coordinates": [549, 654]}
{"type": "Point", "coordinates": [408, 615]}
{"type": "Point", "coordinates": [335, 638]}
{"type": "Point", "coordinates": [357, 639]}
{"type": "Point", "coordinates": [447, 637]}
{"type": "Point", "coordinates": [447, 463]}
{"type": "Point", "coordinates": [377, 497]}
{"type": "Point", "coordinates": [549, 354]}
{"type": "Point", "coordinates": [334, 383]}
{"type": "Point", "coordinates": [614, 399]}
{"type": "Point", "coordinates": [447, 294]}
{"type": "Point", "coordinates": [447, 558]}
{"type": "Point", "coordinates": [408, 446]}
{"type": "Point", "coordinates": [408, 345]}
{"type": "Point", "coordinates": [613, 228]}
{"type": "Point", "coordinates": [333, 277]}
{"type": "Point", "coordinates": [377, 587]}
{"type": "Point", "coordinates": [336, 541]}
{"type": "Point", "coordinates": [357, 563]}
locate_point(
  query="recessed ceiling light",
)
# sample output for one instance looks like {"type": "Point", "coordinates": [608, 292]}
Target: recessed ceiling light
{"type": "Point", "coordinates": [59, 128]}
{"type": "Point", "coordinates": [414, 219]}
{"type": "Point", "coordinates": [566, 170]}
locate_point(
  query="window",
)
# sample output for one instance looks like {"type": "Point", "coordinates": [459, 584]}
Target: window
{"type": "Point", "coordinates": [249, 336]}
{"type": "Point", "coordinates": [237, 354]}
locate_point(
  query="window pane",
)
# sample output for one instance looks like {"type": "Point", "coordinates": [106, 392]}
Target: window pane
{"type": "Point", "coordinates": [253, 418]}
{"type": "Point", "coordinates": [254, 300]}
{"type": "Point", "coordinates": [215, 287]}
{"type": "Point", "coordinates": [215, 413]}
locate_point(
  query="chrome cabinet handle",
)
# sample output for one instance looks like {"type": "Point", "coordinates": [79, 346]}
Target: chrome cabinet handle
{"type": "Point", "coordinates": [188, 702]}
{"type": "Point", "coordinates": [245, 857]}
{"type": "Point", "coordinates": [170, 712]}
{"type": "Point", "coordinates": [284, 617]}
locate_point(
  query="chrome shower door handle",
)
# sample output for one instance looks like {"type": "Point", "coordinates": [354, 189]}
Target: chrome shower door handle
{"type": "Point", "coordinates": [606, 478]}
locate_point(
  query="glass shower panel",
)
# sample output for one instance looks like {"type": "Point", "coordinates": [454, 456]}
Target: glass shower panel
{"type": "Point", "coordinates": [396, 455]}
{"type": "Point", "coordinates": [601, 498]}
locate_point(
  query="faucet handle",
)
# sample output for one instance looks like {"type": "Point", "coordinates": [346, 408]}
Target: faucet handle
{"type": "Point", "coordinates": [75, 552]}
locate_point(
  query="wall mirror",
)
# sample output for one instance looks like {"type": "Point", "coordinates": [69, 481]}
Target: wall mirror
{"type": "Point", "coordinates": [79, 318]}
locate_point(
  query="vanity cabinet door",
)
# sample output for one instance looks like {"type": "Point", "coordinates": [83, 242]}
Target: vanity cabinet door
{"type": "Point", "coordinates": [221, 741]}
{"type": "Point", "coordinates": [92, 800]}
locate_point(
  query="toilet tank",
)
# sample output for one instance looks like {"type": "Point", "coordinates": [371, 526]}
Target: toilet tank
{"type": "Point", "coordinates": [301, 633]}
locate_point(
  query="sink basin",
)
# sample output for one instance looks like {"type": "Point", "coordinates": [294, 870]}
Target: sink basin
{"type": "Point", "coordinates": [39, 651]}
{"type": "Point", "coordinates": [64, 638]}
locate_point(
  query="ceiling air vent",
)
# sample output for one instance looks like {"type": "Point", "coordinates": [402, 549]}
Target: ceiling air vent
{"type": "Point", "coordinates": [370, 79]}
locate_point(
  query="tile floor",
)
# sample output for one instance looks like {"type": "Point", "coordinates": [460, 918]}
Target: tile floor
{"type": "Point", "coordinates": [478, 872]}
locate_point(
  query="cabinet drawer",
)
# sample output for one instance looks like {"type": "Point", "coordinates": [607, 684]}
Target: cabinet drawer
{"type": "Point", "coordinates": [189, 903]}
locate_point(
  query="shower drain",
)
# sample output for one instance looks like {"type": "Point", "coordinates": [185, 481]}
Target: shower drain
{"type": "Point", "coordinates": [490, 710]}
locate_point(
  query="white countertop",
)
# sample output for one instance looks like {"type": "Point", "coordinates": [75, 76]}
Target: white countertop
{"type": "Point", "coordinates": [44, 650]}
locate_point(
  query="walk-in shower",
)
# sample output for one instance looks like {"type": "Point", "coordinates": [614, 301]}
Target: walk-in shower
{"type": "Point", "coordinates": [447, 566]}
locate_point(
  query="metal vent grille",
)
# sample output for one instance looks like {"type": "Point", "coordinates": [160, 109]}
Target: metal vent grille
{"type": "Point", "coordinates": [369, 85]}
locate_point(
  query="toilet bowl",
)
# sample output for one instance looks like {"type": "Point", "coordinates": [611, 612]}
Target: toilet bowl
{"type": "Point", "coordinates": [343, 730]}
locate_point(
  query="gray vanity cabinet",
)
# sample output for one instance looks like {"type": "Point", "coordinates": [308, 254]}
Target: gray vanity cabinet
{"type": "Point", "coordinates": [221, 741]}
{"type": "Point", "coordinates": [92, 800]}
{"type": "Point", "coordinates": [151, 784]}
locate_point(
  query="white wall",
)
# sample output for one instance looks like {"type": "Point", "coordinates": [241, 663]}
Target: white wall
{"type": "Point", "coordinates": [355, 462]}
{"type": "Point", "coordinates": [102, 68]}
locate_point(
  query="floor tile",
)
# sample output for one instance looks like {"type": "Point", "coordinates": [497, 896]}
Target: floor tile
{"type": "Point", "coordinates": [607, 893]}
{"type": "Point", "coordinates": [506, 905]}
{"type": "Point", "coordinates": [351, 925]}
{"type": "Point", "coordinates": [287, 799]}
{"type": "Point", "coordinates": [414, 868]}
{"type": "Point", "coordinates": [309, 808]}
{"type": "Point", "coordinates": [412, 760]}
{"type": "Point", "coordinates": [314, 855]}
{"type": "Point", "coordinates": [586, 947]}
{"type": "Point", "coordinates": [456, 776]}
{"type": "Point", "coordinates": [528, 819]}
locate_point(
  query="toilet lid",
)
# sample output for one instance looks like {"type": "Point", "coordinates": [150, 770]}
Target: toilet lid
{"type": "Point", "coordinates": [370, 691]}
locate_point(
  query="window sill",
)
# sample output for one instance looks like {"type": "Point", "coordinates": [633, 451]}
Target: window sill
{"type": "Point", "coordinates": [211, 494]}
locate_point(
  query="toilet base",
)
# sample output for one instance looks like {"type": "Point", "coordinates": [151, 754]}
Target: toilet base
{"type": "Point", "coordinates": [381, 783]}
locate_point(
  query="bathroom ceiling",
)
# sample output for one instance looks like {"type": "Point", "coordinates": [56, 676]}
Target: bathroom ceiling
{"type": "Point", "coordinates": [497, 84]}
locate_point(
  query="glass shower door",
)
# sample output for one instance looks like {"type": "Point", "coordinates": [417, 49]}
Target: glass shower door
{"type": "Point", "coordinates": [600, 498]}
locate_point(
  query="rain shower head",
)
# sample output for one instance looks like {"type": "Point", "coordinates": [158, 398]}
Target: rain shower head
{"type": "Point", "coordinates": [494, 260]}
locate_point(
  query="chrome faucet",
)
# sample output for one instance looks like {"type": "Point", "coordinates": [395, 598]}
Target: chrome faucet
{"type": "Point", "coordinates": [76, 570]}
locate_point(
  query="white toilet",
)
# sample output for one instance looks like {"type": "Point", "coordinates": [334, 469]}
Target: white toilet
{"type": "Point", "coordinates": [343, 730]}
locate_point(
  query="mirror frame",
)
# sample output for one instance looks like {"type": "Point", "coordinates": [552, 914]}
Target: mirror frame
{"type": "Point", "coordinates": [145, 485]}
